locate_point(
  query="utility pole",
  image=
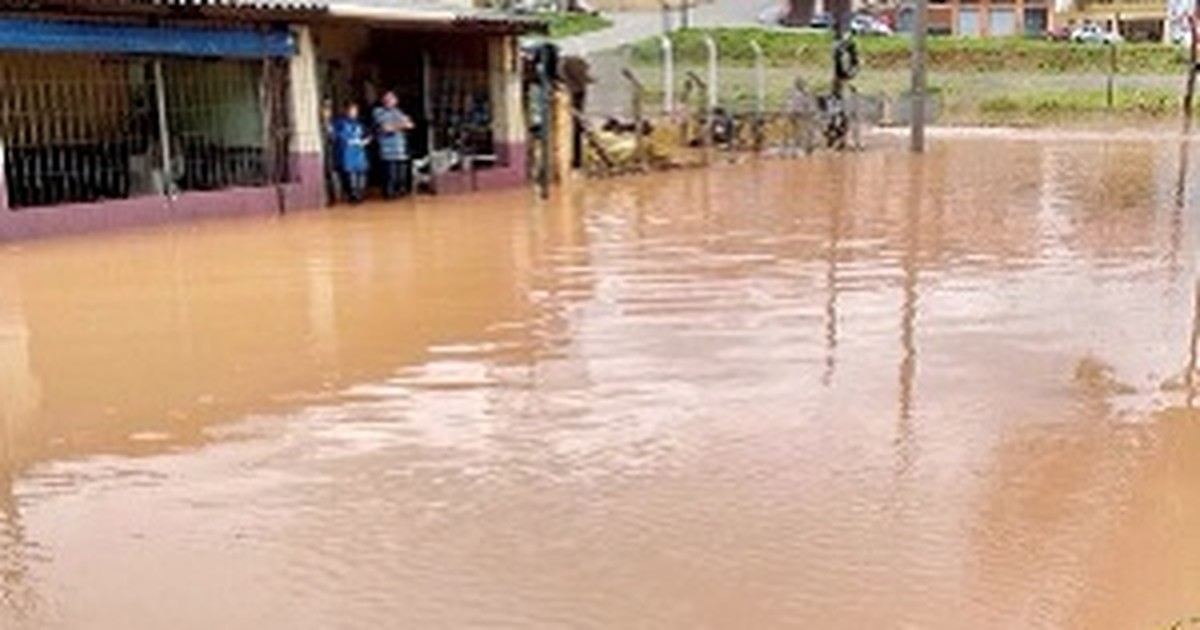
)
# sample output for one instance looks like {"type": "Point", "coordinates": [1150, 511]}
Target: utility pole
{"type": "Point", "coordinates": [840, 25]}
{"type": "Point", "coordinates": [845, 67]}
{"type": "Point", "coordinates": [918, 94]}
{"type": "Point", "coordinates": [1193, 67]}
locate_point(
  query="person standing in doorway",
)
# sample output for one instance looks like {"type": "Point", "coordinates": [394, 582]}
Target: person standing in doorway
{"type": "Point", "coordinates": [350, 141]}
{"type": "Point", "coordinates": [333, 177]}
{"type": "Point", "coordinates": [392, 126]}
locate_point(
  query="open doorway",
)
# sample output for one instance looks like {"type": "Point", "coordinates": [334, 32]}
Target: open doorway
{"type": "Point", "coordinates": [445, 82]}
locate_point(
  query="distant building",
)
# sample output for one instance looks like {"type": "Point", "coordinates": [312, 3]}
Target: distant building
{"type": "Point", "coordinates": [1137, 20]}
{"type": "Point", "coordinates": [963, 18]}
{"type": "Point", "coordinates": [982, 18]}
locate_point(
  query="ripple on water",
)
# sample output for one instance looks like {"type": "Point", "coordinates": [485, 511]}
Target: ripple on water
{"type": "Point", "coordinates": [844, 392]}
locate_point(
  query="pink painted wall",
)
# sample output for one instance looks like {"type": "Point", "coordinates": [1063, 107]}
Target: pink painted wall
{"type": "Point", "coordinates": [511, 175]}
{"type": "Point", "coordinates": [306, 192]}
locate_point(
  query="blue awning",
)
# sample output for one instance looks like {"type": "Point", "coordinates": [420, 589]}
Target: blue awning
{"type": "Point", "coordinates": [90, 37]}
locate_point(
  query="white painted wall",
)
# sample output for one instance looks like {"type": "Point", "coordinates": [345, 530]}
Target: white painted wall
{"type": "Point", "coordinates": [306, 105]}
{"type": "Point", "coordinates": [504, 77]}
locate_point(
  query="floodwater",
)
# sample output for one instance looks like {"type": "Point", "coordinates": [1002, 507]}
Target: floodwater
{"type": "Point", "coordinates": [864, 391]}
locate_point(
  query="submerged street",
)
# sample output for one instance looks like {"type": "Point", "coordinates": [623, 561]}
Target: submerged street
{"type": "Point", "coordinates": [849, 391]}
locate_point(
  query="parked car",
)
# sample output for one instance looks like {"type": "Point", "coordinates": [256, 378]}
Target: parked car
{"type": "Point", "coordinates": [822, 21]}
{"type": "Point", "coordinates": [865, 24]}
{"type": "Point", "coordinates": [1181, 35]}
{"type": "Point", "coordinates": [1094, 34]}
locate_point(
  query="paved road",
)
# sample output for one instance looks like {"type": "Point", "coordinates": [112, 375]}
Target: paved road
{"type": "Point", "coordinates": [632, 26]}
{"type": "Point", "coordinates": [610, 94]}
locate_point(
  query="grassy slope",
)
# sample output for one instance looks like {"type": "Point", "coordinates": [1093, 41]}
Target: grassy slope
{"type": "Point", "coordinates": [571, 24]}
{"type": "Point", "coordinates": [812, 49]}
{"type": "Point", "coordinates": [977, 80]}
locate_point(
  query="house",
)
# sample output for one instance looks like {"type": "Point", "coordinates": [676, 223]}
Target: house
{"type": "Point", "coordinates": [133, 112]}
{"type": "Point", "coordinates": [455, 68]}
{"type": "Point", "coordinates": [1136, 20]}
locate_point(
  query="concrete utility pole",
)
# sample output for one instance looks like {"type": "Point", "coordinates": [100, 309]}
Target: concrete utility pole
{"type": "Point", "coordinates": [1189, 94]}
{"type": "Point", "coordinates": [919, 89]}
{"type": "Point", "coordinates": [841, 23]}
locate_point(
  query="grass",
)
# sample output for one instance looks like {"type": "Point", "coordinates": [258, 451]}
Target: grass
{"type": "Point", "coordinates": [964, 97]}
{"type": "Point", "coordinates": [562, 24]}
{"type": "Point", "coordinates": [1061, 105]}
{"type": "Point", "coordinates": [812, 49]}
{"type": "Point", "coordinates": [988, 81]}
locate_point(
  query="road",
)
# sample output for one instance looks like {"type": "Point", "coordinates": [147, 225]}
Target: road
{"type": "Point", "coordinates": [632, 26]}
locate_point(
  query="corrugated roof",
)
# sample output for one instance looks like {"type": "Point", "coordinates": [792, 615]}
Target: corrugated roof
{"type": "Point", "coordinates": [307, 6]}
{"type": "Point", "coordinates": [430, 12]}
{"type": "Point", "coordinates": [290, 5]}
{"type": "Point", "coordinates": [426, 11]}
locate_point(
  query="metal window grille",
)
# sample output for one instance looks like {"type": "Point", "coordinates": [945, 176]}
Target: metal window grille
{"type": "Point", "coordinates": [78, 129]}
{"type": "Point", "coordinates": [462, 109]}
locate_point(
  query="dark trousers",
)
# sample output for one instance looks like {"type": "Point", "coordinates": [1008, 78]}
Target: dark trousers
{"type": "Point", "coordinates": [355, 185]}
{"type": "Point", "coordinates": [396, 175]}
{"type": "Point", "coordinates": [333, 185]}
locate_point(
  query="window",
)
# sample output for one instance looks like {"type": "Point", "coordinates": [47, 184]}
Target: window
{"type": "Point", "coordinates": [1002, 22]}
{"type": "Point", "coordinates": [86, 128]}
{"type": "Point", "coordinates": [968, 22]}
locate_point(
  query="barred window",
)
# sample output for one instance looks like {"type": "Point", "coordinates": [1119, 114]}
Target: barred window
{"type": "Point", "coordinates": [78, 129]}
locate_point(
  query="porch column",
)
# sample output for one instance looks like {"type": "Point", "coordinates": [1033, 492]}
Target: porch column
{"type": "Point", "coordinates": [508, 111]}
{"type": "Point", "coordinates": [307, 147]}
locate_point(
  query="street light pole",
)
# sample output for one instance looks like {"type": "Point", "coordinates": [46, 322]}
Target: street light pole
{"type": "Point", "coordinates": [918, 94]}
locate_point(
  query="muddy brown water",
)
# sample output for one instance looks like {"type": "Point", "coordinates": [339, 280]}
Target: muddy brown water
{"type": "Point", "coordinates": [855, 391]}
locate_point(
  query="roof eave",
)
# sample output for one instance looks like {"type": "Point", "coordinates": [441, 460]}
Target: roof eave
{"type": "Point", "coordinates": [275, 9]}
{"type": "Point", "coordinates": [426, 18]}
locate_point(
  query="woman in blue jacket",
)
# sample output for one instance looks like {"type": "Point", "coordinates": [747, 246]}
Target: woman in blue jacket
{"type": "Point", "coordinates": [351, 140]}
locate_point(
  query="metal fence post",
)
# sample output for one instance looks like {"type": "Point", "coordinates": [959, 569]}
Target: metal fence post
{"type": "Point", "coordinates": [760, 91]}
{"type": "Point", "coordinates": [639, 120]}
{"type": "Point", "coordinates": [668, 61]}
{"type": "Point", "coordinates": [919, 88]}
{"type": "Point", "coordinates": [164, 132]}
{"type": "Point", "coordinates": [714, 87]}
{"type": "Point", "coordinates": [1110, 84]}
{"type": "Point", "coordinates": [706, 119]}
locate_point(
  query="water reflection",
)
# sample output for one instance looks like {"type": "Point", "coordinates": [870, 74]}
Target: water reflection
{"type": "Point", "coordinates": [909, 265]}
{"type": "Point", "coordinates": [20, 399]}
{"type": "Point", "coordinates": [831, 287]}
{"type": "Point", "coordinates": [847, 391]}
